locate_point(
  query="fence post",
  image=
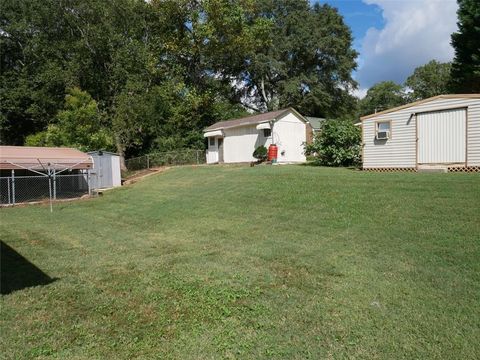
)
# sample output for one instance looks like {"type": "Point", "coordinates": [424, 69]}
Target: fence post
{"type": "Point", "coordinates": [50, 188]}
{"type": "Point", "coordinates": [54, 185]}
{"type": "Point", "coordinates": [148, 162]}
{"type": "Point", "coordinates": [197, 155]}
{"type": "Point", "coordinates": [8, 190]}
{"type": "Point", "coordinates": [13, 187]}
{"type": "Point", "coordinates": [88, 183]}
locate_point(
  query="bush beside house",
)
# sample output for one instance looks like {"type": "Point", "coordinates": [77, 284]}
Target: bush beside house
{"type": "Point", "coordinates": [337, 144]}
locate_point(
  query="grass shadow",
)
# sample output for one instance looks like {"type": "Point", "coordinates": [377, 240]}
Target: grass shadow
{"type": "Point", "coordinates": [17, 273]}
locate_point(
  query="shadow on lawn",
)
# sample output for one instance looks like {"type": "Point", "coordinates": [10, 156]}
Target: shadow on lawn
{"type": "Point", "coordinates": [17, 273]}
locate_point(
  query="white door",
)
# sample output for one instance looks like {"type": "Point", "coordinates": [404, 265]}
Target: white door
{"type": "Point", "coordinates": [220, 150]}
{"type": "Point", "coordinates": [212, 151]}
{"type": "Point", "coordinates": [442, 137]}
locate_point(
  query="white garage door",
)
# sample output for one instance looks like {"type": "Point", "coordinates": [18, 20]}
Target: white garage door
{"type": "Point", "coordinates": [441, 137]}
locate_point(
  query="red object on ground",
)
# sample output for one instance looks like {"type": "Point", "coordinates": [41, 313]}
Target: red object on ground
{"type": "Point", "coordinates": [272, 152]}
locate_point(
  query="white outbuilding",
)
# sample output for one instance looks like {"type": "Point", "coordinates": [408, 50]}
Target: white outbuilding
{"type": "Point", "coordinates": [441, 132]}
{"type": "Point", "coordinates": [106, 170]}
{"type": "Point", "coordinates": [234, 141]}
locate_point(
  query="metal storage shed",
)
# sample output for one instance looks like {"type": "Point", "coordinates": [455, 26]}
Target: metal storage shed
{"type": "Point", "coordinates": [37, 173]}
{"type": "Point", "coordinates": [106, 170]}
{"type": "Point", "coordinates": [441, 132]}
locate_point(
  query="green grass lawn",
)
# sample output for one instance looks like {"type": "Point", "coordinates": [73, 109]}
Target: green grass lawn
{"type": "Point", "coordinates": [289, 262]}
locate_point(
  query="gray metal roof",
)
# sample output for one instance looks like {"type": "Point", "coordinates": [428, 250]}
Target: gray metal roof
{"type": "Point", "coordinates": [315, 122]}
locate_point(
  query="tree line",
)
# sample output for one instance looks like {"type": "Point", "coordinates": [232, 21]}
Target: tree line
{"type": "Point", "coordinates": [135, 76]}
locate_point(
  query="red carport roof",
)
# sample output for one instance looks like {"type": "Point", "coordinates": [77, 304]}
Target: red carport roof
{"type": "Point", "coordinates": [31, 157]}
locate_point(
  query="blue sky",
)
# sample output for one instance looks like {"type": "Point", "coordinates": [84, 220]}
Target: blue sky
{"type": "Point", "coordinates": [359, 16]}
{"type": "Point", "coordinates": [393, 37]}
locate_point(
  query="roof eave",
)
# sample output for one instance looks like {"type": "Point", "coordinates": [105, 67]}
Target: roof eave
{"type": "Point", "coordinates": [276, 118]}
{"type": "Point", "coordinates": [234, 126]}
{"type": "Point", "coordinates": [419, 102]}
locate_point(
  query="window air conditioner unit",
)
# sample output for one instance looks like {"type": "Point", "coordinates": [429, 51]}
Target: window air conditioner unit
{"type": "Point", "coordinates": [382, 135]}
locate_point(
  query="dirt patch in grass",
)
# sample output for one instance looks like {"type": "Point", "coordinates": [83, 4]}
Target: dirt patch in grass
{"type": "Point", "coordinates": [139, 175]}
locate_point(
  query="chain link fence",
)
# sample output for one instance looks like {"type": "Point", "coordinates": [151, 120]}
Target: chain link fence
{"type": "Point", "coordinates": [169, 158]}
{"type": "Point", "coordinates": [22, 189]}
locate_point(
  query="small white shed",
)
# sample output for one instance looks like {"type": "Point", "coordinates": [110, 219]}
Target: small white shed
{"type": "Point", "coordinates": [440, 132]}
{"type": "Point", "coordinates": [106, 170]}
{"type": "Point", "coordinates": [234, 141]}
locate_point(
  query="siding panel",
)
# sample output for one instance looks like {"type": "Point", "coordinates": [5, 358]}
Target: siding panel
{"type": "Point", "coordinates": [441, 137]}
{"type": "Point", "coordinates": [400, 150]}
{"type": "Point", "coordinates": [290, 135]}
{"type": "Point", "coordinates": [240, 142]}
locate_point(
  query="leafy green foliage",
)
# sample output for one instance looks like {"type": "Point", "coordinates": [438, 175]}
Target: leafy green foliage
{"type": "Point", "coordinates": [426, 81]}
{"type": "Point", "coordinates": [382, 96]}
{"type": "Point", "coordinates": [260, 153]}
{"type": "Point", "coordinates": [79, 125]}
{"type": "Point", "coordinates": [466, 42]}
{"type": "Point", "coordinates": [336, 144]}
{"type": "Point", "coordinates": [161, 71]}
{"type": "Point", "coordinates": [306, 60]}
{"type": "Point", "coordinates": [429, 80]}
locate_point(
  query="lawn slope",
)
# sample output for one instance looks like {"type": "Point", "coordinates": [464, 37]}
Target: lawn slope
{"type": "Point", "coordinates": [289, 262]}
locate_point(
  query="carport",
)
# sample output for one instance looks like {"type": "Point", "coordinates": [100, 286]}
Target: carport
{"type": "Point", "coordinates": [42, 173]}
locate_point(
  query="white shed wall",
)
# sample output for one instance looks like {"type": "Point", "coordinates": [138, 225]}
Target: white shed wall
{"type": "Point", "coordinates": [400, 150]}
{"type": "Point", "coordinates": [289, 134]}
{"type": "Point", "coordinates": [240, 142]}
{"type": "Point", "coordinates": [106, 171]}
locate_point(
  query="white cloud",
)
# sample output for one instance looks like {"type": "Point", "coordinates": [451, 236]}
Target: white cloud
{"type": "Point", "coordinates": [415, 32]}
{"type": "Point", "coordinates": [359, 93]}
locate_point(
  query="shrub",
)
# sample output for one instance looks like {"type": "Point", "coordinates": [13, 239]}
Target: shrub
{"type": "Point", "coordinates": [337, 144]}
{"type": "Point", "coordinates": [260, 153]}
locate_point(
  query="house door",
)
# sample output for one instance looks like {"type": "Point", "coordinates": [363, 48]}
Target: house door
{"type": "Point", "coordinates": [442, 137]}
{"type": "Point", "coordinates": [220, 150]}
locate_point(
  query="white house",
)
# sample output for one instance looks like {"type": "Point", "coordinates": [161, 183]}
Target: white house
{"type": "Point", "coordinates": [440, 132]}
{"type": "Point", "coordinates": [234, 141]}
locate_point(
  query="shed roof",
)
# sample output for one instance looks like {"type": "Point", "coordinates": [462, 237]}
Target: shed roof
{"type": "Point", "coordinates": [315, 122]}
{"type": "Point", "coordinates": [449, 96]}
{"type": "Point", "coordinates": [31, 157]}
{"type": "Point", "coordinates": [253, 119]}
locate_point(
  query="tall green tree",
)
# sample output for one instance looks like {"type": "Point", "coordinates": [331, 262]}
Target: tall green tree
{"type": "Point", "coordinates": [34, 41]}
{"type": "Point", "coordinates": [306, 61]}
{"type": "Point", "coordinates": [382, 96]}
{"type": "Point", "coordinates": [429, 80]}
{"type": "Point", "coordinates": [465, 74]}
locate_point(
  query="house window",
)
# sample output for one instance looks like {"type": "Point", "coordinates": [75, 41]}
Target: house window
{"type": "Point", "coordinates": [383, 130]}
{"type": "Point", "coordinates": [212, 141]}
{"type": "Point", "coordinates": [267, 132]}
